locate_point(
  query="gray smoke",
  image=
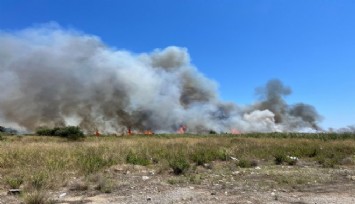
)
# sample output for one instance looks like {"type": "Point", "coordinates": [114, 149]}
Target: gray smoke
{"type": "Point", "coordinates": [50, 76]}
{"type": "Point", "coordinates": [295, 116]}
{"type": "Point", "coordinates": [348, 129]}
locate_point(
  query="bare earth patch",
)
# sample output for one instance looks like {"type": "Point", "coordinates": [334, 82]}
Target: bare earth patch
{"type": "Point", "coordinates": [265, 184]}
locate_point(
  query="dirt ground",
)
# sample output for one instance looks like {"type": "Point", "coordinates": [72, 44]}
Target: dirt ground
{"type": "Point", "coordinates": [216, 184]}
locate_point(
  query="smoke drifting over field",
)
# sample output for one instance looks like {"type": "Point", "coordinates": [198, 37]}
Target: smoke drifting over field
{"type": "Point", "coordinates": [51, 76]}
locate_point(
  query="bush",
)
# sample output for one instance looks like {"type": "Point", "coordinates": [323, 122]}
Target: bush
{"type": "Point", "coordinates": [37, 198]}
{"type": "Point", "coordinates": [179, 164]}
{"type": "Point", "coordinates": [39, 180]}
{"type": "Point", "coordinates": [93, 159]}
{"type": "Point", "coordinates": [203, 154]}
{"type": "Point", "coordinates": [70, 132]}
{"type": "Point", "coordinates": [14, 182]}
{"type": "Point", "coordinates": [135, 159]}
{"type": "Point", "coordinates": [212, 132]}
{"type": "Point", "coordinates": [281, 158]}
{"type": "Point", "coordinates": [243, 163]}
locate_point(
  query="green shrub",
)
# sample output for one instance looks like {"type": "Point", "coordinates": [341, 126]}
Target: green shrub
{"type": "Point", "coordinates": [70, 132]}
{"type": "Point", "coordinates": [136, 159]}
{"type": "Point", "coordinates": [179, 164]}
{"type": "Point", "coordinates": [104, 185]}
{"type": "Point", "coordinates": [93, 159]}
{"type": "Point", "coordinates": [244, 163]}
{"type": "Point", "coordinates": [44, 131]}
{"type": "Point", "coordinates": [280, 159]}
{"type": "Point", "coordinates": [39, 181]}
{"type": "Point", "coordinates": [212, 132]}
{"type": "Point", "coordinates": [203, 154]}
{"type": "Point", "coordinates": [14, 182]}
{"type": "Point", "coordinates": [201, 157]}
{"type": "Point", "coordinates": [327, 163]}
{"type": "Point", "coordinates": [37, 198]}
{"type": "Point", "coordinates": [313, 153]}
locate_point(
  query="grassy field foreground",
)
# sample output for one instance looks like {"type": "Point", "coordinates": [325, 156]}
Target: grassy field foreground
{"type": "Point", "coordinates": [38, 165]}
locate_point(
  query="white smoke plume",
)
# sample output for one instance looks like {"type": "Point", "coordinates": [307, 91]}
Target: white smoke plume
{"type": "Point", "coordinates": [50, 76]}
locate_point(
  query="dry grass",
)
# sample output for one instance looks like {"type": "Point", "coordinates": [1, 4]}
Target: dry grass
{"type": "Point", "coordinates": [35, 163]}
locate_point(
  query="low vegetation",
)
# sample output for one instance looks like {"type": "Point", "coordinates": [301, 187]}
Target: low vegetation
{"type": "Point", "coordinates": [70, 132]}
{"type": "Point", "coordinates": [36, 164]}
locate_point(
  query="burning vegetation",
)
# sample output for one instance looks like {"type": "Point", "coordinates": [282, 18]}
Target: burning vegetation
{"type": "Point", "coordinates": [53, 77]}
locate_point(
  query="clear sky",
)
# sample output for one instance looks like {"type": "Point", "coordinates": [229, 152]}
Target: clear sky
{"type": "Point", "coordinates": [241, 44]}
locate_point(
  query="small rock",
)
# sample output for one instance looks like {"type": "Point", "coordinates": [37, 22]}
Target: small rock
{"type": "Point", "coordinates": [119, 169]}
{"type": "Point", "coordinates": [353, 178]}
{"type": "Point", "coordinates": [62, 195]}
{"type": "Point", "coordinates": [149, 199]}
{"type": "Point", "coordinates": [145, 178]}
{"type": "Point", "coordinates": [192, 188]}
{"type": "Point", "coordinates": [207, 165]}
{"type": "Point", "coordinates": [235, 172]}
{"type": "Point", "coordinates": [257, 168]}
{"type": "Point", "coordinates": [14, 192]}
{"type": "Point", "coordinates": [226, 193]}
{"type": "Point", "coordinates": [234, 159]}
{"type": "Point", "coordinates": [213, 193]}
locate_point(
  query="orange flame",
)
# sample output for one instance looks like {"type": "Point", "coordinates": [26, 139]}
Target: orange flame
{"type": "Point", "coordinates": [182, 129]}
{"type": "Point", "coordinates": [235, 131]}
{"type": "Point", "coordinates": [148, 132]}
{"type": "Point", "coordinates": [97, 133]}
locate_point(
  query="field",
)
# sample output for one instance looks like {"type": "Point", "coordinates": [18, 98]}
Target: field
{"type": "Point", "coordinates": [247, 168]}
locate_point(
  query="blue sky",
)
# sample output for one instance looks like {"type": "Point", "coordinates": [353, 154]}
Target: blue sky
{"type": "Point", "coordinates": [241, 44]}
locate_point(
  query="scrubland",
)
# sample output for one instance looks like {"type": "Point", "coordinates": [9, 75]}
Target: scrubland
{"type": "Point", "coordinates": [139, 168]}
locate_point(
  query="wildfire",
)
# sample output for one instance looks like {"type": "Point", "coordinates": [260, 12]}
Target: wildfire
{"type": "Point", "coordinates": [145, 132]}
{"type": "Point", "coordinates": [148, 132]}
{"type": "Point", "coordinates": [97, 133]}
{"type": "Point", "coordinates": [182, 129]}
{"type": "Point", "coordinates": [235, 131]}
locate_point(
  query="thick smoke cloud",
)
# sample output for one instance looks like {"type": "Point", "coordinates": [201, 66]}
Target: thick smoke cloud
{"type": "Point", "coordinates": [50, 76]}
{"type": "Point", "coordinates": [290, 116]}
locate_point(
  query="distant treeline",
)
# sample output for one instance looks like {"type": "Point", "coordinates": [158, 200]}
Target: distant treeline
{"type": "Point", "coordinates": [8, 130]}
{"type": "Point", "coordinates": [70, 132]}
